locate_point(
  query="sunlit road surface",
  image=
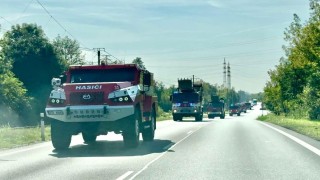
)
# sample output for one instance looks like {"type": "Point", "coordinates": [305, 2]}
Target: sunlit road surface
{"type": "Point", "coordinates": [237, 147]}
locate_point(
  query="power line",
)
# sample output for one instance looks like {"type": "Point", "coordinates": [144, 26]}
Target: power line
{"type": "Point", "coordinates": [6, 20]}
{"type": "Point", "coordinates": [51, 16]}
{"type": "Point", "coordinates": [83, 47]}
{"type": "Point", "coordinates": [24, 10]}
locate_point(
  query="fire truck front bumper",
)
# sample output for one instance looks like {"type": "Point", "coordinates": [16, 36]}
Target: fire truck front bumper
{"type": "Point", "coordinates": [186, 111]}
{"type": "Point", "coordinates": [89, 113]}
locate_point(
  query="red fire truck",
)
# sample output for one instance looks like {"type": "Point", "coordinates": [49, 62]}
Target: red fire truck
{"type": "Point", "coordinates": [97, 99]}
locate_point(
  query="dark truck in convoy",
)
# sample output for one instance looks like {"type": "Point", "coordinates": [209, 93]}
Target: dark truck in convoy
{"type": "Point", "coordinates": [216, 107]}
{"type": "Point", "coordinates": [97, 99]}
{"type": "Point", "coordinates": [187, 100]}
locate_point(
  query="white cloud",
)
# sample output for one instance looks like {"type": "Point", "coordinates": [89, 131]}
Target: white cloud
{"type": "Point", "coordinates": [215, 3]}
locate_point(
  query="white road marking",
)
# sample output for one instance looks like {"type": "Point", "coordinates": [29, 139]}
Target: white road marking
{"type": "Point", "coordinates": [189, 132]}
{"type": "Point", "coordinates": [168, 146]}
{"type": "Point", "coordinates": [23, 150]}
{"type": "Point", "coordinates": [299, 141]}
{"type": "Point", "coordinates": [162, 154]}
{"type": "Point", "coordinates": [124, 175]}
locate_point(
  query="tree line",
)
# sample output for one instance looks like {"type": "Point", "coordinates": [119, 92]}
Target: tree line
{"type": "Point", "coordinates": [294, 85]}
{"type": "Point", "coordinates": [29, 60]}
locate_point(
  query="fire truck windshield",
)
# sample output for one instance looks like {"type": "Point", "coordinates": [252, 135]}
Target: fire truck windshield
{"type": "Point", "coordinates": [103, 75]}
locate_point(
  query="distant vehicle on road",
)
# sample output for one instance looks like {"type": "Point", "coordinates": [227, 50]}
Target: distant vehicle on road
{"type": "Point", "coordinates": [248, 105]}
{"type": "Point", "coordinates": [216, 108]}
{"type": "Point", "coordinates": [254, 102]}
{"type": "Point", "coordinates": [234, 109]}
{"type": "Point", "coordinates": [187, 100]}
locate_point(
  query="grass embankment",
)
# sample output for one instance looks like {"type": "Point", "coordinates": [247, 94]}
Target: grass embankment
{"type": "Point", "coordinates": [16, 137]}
{"type": "Point", "coordinates": [164, 116]}
{"type": "Point", "coordinates": [302, 126]}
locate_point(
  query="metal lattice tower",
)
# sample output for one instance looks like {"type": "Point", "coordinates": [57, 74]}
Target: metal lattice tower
{"type": "Point", "coordinates": [224, 74]}
{"type": "Point", "coordinates": [229, 76]}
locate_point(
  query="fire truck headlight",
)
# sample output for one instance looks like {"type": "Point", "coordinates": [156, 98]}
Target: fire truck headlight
{"type": "Point", "coordinates": [174, 111]}
{"type": "Point", "coordinates": [56, 101]}
{"type": "Point", "coordinates": [176, 104]}
{"type": "Point", "coordinates": [195, 110]}
{"type": "Point", "coordinates": [122, 99]}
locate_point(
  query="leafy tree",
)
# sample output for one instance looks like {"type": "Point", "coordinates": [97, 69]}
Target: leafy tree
{"type": "Point", "coordinates": [163, 95]}
{"type": "Point", "coordinates": [13, 98]}
{"type": "Point", "coordinates": [139, 62]}
{"type": "Point", "coordinates": [68, 50]}
{"type": "Point", "coordinates": [33, 60]}
{"type": "Point", "coordinates": [208, 90]}
{"type": "Point", "coordinates": [293, 84]}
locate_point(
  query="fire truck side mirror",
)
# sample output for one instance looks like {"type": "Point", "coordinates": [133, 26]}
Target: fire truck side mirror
{"type": "Point", "coordinates": [170, 97]}
{"type": "Point", "coordinates": [55, 82]}
{"type": "Point", "coordinates": [147, 79]}
{"type": "Point", "coordinates": [63, 78]}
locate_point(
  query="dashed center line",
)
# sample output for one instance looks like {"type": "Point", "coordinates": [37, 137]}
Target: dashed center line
{"type": "Point", "coordinates": [170, 146]}
{"type": "Point", "coordinates": [124, 175]}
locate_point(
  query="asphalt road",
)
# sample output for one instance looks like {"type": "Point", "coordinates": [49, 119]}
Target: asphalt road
{"type": "Point", "coordinates": [237, 147]}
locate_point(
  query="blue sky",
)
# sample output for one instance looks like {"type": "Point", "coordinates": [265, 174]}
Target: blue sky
{"type": "Point", "coordinates": [175, 39]}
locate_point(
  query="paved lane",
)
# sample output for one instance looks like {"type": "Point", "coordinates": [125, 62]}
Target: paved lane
{"type": "Point", "coordinates": [107, 159]}
{"type": "Point", "coordinates": [232, 148]}
{"type": "Point", "coordinates": [236, 148]}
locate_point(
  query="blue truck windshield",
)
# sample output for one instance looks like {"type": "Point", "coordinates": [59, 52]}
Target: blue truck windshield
{"type": "Point", "coordinates": [185, 97]}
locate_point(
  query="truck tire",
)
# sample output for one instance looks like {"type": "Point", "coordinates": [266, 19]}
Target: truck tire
{"type": "Point", "coordinates": [148, 134]}
{"type": "Point", "coordinates": [60, 135]}
{"type": "Point", "coordinates": [238, 114]}
{"type": "Point", "coordinates": [131, 134]}
{"type": "Point", "coordinates": [177, 118]}
{"type": "Point", "coordinates": [222, 116]}
{"type": "Point", "coordinates": [89, 137]}
{"type": "Point", "coordinates": [199, 117]}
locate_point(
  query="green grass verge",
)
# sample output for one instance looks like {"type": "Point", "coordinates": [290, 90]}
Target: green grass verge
{"type": "Point", "coordinates": [302, 126]}
{"type": "Point", "coordinates": [164, 116]}
{"type": "Point", "coordinates": [16, 137]}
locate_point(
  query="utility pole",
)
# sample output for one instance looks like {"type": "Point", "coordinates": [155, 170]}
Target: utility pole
{"type": "Point", "coordinates": [98, 51]}
{"type": "Point", "coordinates": [224, 74]}
{"type": "Point", "coordinates": [192, 79]}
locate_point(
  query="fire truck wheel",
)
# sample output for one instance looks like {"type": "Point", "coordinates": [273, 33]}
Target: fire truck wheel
{"type": "Point", "coordinates": [148, 134]}
{"type": "Point", "coordinates": [89, 137]}
{"type": "Point", "coordinates": [60, 135]}
{"type": "Point", "coordinates": [131, 135]}
{"type": "Point", "coordinates": [199, 117]}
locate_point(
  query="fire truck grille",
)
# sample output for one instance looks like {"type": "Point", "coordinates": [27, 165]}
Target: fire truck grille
{"type": "Point", "coordinates": [86, 98]}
